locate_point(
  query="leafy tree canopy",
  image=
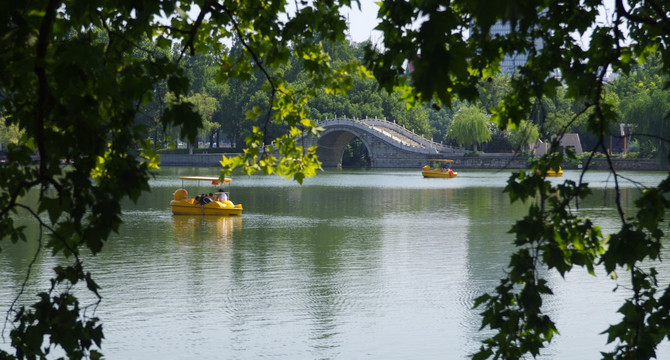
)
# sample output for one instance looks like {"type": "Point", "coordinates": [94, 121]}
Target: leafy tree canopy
{"type": "Point", "coordinates": [9, 134]}
{"type": "Point", "coordinates": [523, 134]}
{"type": "Point", "coordinates": [75, 74]}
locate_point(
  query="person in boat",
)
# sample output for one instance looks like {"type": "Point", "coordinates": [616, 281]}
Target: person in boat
{"type": "Point", "coordinates": [222, 196]}
{"type": "Point", "coordinates": [196, 200]}
{"type": "Point", "coordinates": [204, 199]}
{"type": "Point", "coordinates": [212, 197]}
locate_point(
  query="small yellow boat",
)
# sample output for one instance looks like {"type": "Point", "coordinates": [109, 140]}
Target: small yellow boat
{"type": "Point", "coordinates": [554, 173]}
{"type": "Point", "coordinates": [438, 168]}
{"type": "Point", "coordinates": [218, 204]}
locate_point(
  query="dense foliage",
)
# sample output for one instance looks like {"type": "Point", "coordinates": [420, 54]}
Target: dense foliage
{"type": "Point", "coordinates": [552, 236]}
{"type": "Point", "coordinates": [225, 124]}
{"type": "Point", "coordinates": [82, 80]}
{"type": "Point", "coordinates": [94, 83]}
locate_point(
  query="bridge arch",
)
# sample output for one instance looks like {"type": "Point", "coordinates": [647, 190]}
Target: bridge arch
{"type": "Point", "coordinates": [389, 145]}
{"type": "Point", "coordinates": [333, 141]}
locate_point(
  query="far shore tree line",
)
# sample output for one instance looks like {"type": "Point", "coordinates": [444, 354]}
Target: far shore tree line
{"type": "Point", "coordinates": [225, 108]}
{"type": "Point", "coordinates": [642, 102]}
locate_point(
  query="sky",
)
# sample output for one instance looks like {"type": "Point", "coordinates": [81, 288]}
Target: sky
{"type": "Point", "coordinates": [362, 22]}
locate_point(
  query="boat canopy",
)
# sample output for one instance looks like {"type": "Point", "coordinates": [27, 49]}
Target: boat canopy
{"type": "Point", "coordinates": [215, 180]}
{"type": "Point", "coordinates": [441, 160]}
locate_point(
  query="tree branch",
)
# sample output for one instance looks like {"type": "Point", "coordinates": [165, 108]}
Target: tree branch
{"type": "Point", "coordinates": [258, 62]}
{"type": "Point", "coordinates": [664, 24]}
{"type": "Point", "coordinates": [659, 12]}
{"type": "Point", "coordinates": [621, 10]}
{"type": "Point", "coordinates": [190, 43]}
{"type": "Point", "coordinates": [41, 108]}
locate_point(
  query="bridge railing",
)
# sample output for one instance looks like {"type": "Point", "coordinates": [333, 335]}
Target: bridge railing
{"type": "Point", "coordinates": [419, 138]}
{"type": "Point", "coordinates": [403, 131]}
{"type": "Point", "coordinates": [408, 143]}
{"type": "Point", "coordinates": [364, 124]}
{"type": "Point", "coordinates": [427, 146]}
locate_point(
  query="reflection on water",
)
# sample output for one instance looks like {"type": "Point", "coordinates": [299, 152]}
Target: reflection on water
{"type": "Point", "coordinates": [374, 264]}
{"type": "Point", "coordinates": [192, 229]}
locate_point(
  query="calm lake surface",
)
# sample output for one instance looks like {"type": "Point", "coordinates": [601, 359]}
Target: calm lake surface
{"type": "Point", "coordinates": [350, 265]}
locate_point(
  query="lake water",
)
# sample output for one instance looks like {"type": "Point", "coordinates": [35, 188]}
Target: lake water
{"type": "Point", "coordinates": [350, 265]}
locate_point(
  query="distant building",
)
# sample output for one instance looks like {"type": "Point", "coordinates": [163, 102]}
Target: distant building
{"type": "Point", "coordinates": [510, 63]}
{"type": "Point", "coordinates": [569, 141]}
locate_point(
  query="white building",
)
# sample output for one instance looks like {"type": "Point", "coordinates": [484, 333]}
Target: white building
{"type": "Point", "coordinates": [510, 63]}
{"type": "Point", "coordinates": [568, 141]}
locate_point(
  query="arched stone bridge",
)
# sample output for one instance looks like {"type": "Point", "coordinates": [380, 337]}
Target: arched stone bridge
{"type": "Point", "coordinates": [389, 145]}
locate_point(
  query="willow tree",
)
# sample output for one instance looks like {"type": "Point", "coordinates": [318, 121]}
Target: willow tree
{"type": "Point", "coordinates": [71, 79]}
{"type": "Point", "coordinates": [645, 103]}
{"type": "Point", "coordinates": [470, 127]}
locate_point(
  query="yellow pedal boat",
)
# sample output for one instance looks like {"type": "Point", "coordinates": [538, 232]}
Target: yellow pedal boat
{"type": "Point", "coordinates": [438, 168]}
{"type": "Point", "coordinates": [219, 204]}
{"type": "Point", "coordinates": [552, 172]}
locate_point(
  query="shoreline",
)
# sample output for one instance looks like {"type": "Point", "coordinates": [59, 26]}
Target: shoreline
{"type": "Point", "coordinates": [483, 161]}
